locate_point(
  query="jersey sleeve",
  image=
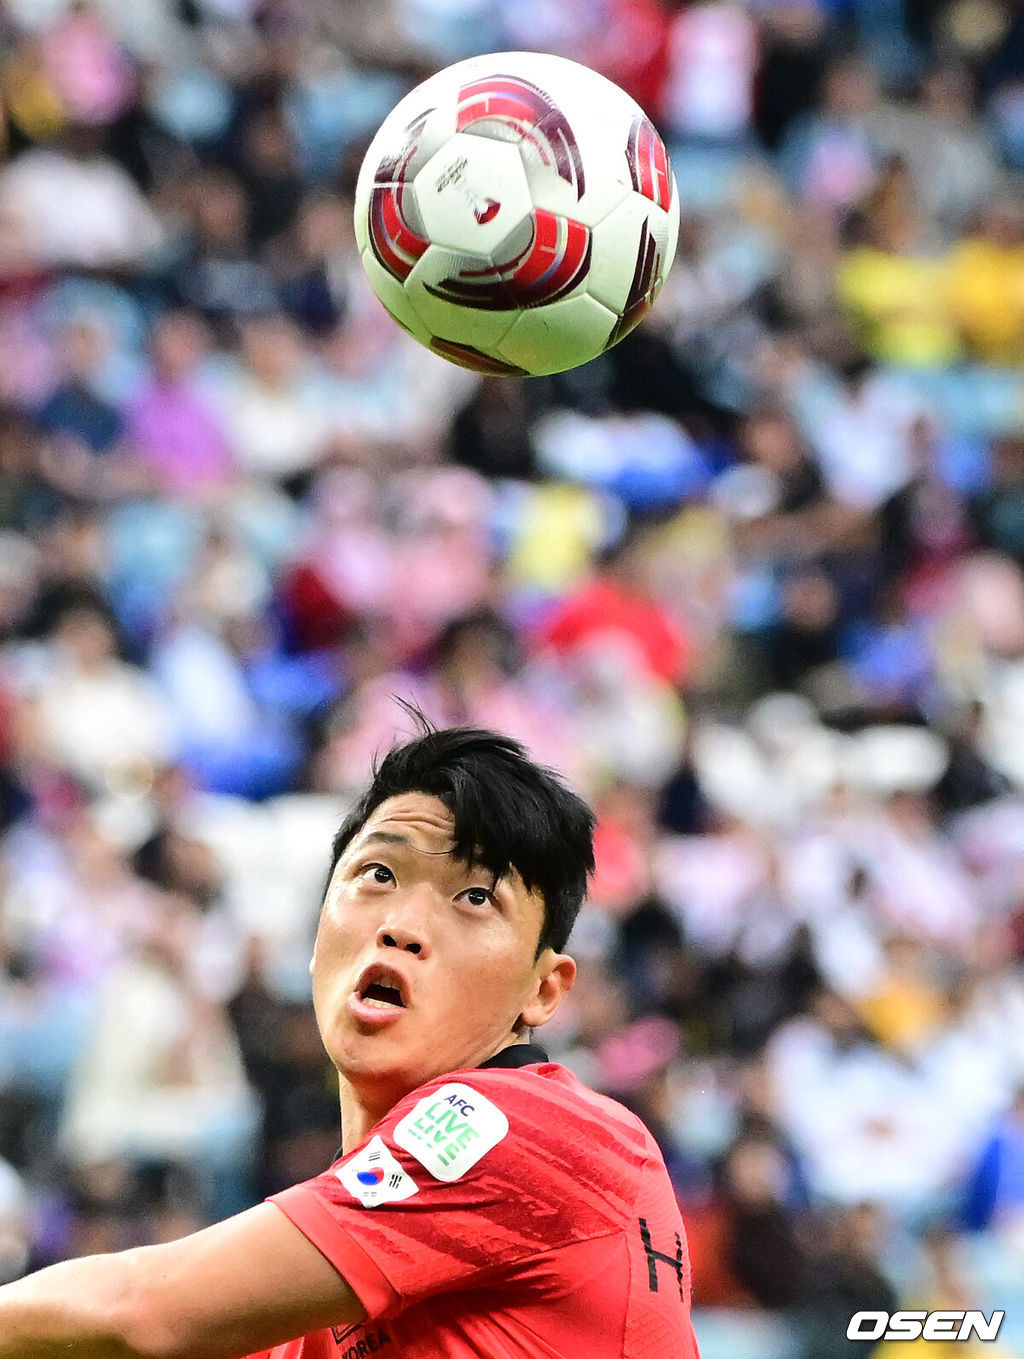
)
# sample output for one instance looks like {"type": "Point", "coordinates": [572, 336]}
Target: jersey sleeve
{"type": "Point", "coordinates": [465, 1183]}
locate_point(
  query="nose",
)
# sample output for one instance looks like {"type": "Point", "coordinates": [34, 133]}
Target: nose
{"type": "Point", "coordinates": [395, 936]}
{"type": "Point", "coordinates": [406, 927]}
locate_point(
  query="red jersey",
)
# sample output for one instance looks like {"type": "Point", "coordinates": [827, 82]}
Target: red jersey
{"type": "Point", "coordinates": [505, 1212]}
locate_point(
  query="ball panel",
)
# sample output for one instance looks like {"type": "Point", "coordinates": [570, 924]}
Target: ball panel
{"type": "Point", "coordinates": [545, 265]}
{"type": "Point", "coordinates": [647, 279]}
{"type": "Point", "coordinates": [558, 336]}
{"type": "Point", "coordinates": [605, 189]}
{"type": "Point", "coordinates": [629, 254]}
{"type": "Point", "coordinates": [555, 262]}
{"type": "Point", "coordinates": [472, 193]}
{"type": "Point", "coordinates": [408, 137]}
{"type": "Point", "coordinates": [480, 327]}
{"type": "Point", "coordinates": [649, 169]}
{"type": "Point", "coordinates": [395, 243]}
{"type": "Point", "coordinates": [512, 108]}
{"type": "Point", "coordinates": [394, 298]}
{"type": "Point", "coordinates": [468, 357]}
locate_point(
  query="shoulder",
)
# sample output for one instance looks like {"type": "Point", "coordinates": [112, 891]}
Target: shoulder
{"type": "Point", "coordinates": [540, 1111]}
{"type": "Point", "coordinates": [521, 1090]}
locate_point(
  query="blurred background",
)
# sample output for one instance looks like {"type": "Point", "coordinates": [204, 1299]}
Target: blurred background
{"type": "Point", "coordinates": [754, 581]}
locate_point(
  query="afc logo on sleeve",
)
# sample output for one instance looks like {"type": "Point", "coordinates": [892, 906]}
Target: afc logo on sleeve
{"type": "Point", "coordinates": [450, 1130]}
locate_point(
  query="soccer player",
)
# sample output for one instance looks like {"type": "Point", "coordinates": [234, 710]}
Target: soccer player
{"type": "Point", "coordinates": [485, 1203]}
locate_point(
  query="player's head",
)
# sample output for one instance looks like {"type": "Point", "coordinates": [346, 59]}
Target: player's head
{"type": "Point", "coordinates": [455, 881]}
{"type": "Point", "coordinates": [507, 811]}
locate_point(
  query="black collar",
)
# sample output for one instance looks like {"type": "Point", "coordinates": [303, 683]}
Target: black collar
{"type": "Point", "coordinates": [517, 1054]}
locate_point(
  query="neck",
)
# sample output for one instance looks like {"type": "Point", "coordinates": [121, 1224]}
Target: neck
{"type": "Point", "coordinates": [359, 1112]}
{"type": "Point", "coordinates": [364, 1104]}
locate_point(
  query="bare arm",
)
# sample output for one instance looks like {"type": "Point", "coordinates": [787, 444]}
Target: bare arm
{"type": "Point", "coordinates": [241, 1286]}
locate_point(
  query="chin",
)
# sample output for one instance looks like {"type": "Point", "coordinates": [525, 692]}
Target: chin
{"type": "Point", "coordinates": [366, 1060]}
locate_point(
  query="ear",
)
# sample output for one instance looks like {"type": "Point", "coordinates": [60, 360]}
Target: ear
{"type": "Point", "coordinates": [555, 974]}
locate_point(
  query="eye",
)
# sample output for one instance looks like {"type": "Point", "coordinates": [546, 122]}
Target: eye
{"type": "Point", "coordinates": [378, 874]}
{"type": "Point", "coordinates": [477, 896]}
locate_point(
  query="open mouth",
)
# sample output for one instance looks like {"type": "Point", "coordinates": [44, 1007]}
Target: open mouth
{"type": "Point", "coordinates": [382, 995]}
{"type": "Point", "coordinates": [382, 987]}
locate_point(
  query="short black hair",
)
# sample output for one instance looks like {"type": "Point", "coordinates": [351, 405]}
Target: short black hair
{"type": "Point", "coordinates": [508, 811]}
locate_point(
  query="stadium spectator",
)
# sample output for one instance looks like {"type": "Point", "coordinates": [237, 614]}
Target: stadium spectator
{"type": "Point", "coordinates": [170, 422]}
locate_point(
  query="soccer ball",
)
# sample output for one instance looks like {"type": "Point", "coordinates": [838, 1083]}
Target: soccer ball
{"type": "Point", "coordinates": [517, 213]}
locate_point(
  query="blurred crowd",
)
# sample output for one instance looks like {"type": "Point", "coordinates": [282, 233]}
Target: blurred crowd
{"type": "Point", "coordinates": [753, 580]}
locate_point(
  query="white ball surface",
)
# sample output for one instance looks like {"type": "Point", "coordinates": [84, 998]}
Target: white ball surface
{"type": "Point", "coordinates": [517, 213]}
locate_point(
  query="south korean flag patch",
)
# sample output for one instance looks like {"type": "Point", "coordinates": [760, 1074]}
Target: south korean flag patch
{"type": "Point", "coordinates": [373, 1176]}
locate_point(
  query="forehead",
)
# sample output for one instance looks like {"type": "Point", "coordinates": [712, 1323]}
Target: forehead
{"type": "Point", "coordinates": [420, 818]}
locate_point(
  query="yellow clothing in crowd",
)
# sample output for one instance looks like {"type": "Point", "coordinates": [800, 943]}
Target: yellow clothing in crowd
{"type": "Point", "coordinates": [987, 299]}
{"type": "Point", "coordinates": [923, 311]}
{"type": "Point", "coordinates": [900, 305]}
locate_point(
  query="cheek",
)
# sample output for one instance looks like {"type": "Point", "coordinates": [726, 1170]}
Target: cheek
{"type": "Point", "coordinates": [493, 973]}
{"type": "Point", "coordinates": [333, 948]}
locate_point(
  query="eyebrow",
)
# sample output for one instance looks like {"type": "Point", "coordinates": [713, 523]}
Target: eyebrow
{"type": "Point", "coordinates": [385, 838]}
{"type": "Point", "coordinates": [391, 838]}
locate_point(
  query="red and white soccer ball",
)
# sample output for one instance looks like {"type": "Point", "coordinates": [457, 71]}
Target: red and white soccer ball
{"type": "Point", "coordinates": [517, 213]}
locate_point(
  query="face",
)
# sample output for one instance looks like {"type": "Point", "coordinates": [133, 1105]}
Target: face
{"type": "Point", "coordinates": [177, 342]}
{"type": "Point", "coordinates": [422, 964]}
